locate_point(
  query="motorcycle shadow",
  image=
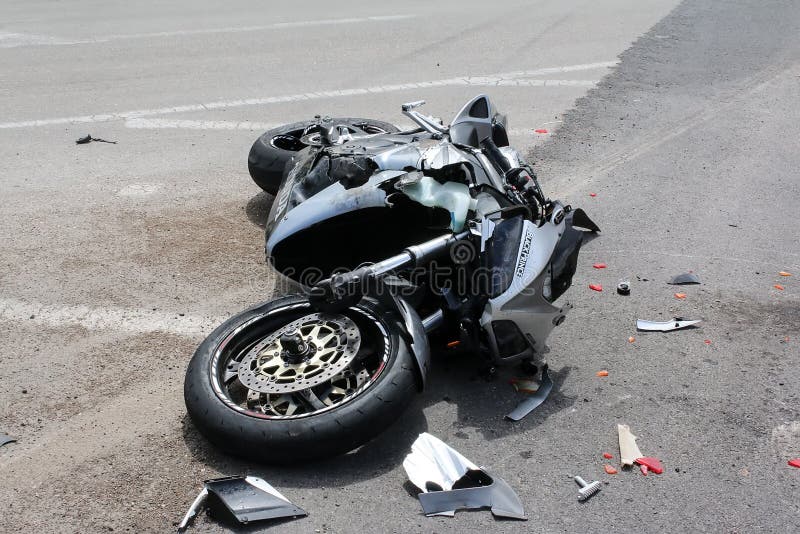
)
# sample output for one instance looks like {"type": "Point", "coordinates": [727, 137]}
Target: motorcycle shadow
{"type": "Point", "coordinates": [257, 208]}
{"type": "Point", "coordinates": [482, 401]}
{"type": "Point", "coordinates": [480, 406]}
{"type": "Point", "coordinates": [378, 456]}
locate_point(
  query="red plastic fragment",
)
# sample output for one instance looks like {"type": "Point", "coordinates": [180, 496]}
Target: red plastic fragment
{"type": "Point", "coordinates": [795, 462]}
{"type": "Point", "coordinates": [680, 296]}
{"type": "Point", "coordinates": [595, 287]}
{"type": "Point", "coordinates": [610, 469]}
{"type": "Point", "coordinates": [651, 463]}
{"type": "Point", "coordinates": [643, 469]}
{"type": "Point", "coordinates": [778, 287]}
{"type": "Point", "coordinates": [593, 194]}
{"type": "Point", "coordinates": [707, 342]}
{"type": "Point", "coordinates": [599, 265]}
{"type": "Point", "coordinates": [541, 131]}
{"type": "Point", "coordinates": [608, 455]}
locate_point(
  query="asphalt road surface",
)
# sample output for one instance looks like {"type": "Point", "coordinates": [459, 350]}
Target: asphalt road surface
{"type": "Point", "coordinates": [116, 259]}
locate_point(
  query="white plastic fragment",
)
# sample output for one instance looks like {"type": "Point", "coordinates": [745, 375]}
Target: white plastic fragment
{"type": "Point", "coordinates": [433, 461]}
{"type": "Point", "coordinates": [628, 449]}
{"type": "Point", "coordinates": [664, 326]}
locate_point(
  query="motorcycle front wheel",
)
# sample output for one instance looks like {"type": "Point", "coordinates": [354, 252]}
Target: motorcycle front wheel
{"type": "Point", "coordinates": [280, 382]}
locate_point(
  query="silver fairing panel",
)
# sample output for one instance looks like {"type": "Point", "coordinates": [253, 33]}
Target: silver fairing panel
{"type": "Point", "coordinates": [332, 201]}
{"type": "Point", "coordinates": [524, 301]}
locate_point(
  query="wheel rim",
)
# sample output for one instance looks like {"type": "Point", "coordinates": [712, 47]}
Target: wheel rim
{"type": "Point", "coordinates": [274, 376]}
{"type": "Point", "coordinates": [293, 141]}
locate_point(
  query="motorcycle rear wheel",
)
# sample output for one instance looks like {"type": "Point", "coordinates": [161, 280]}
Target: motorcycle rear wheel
{"type": "Point", "coordinates": [354, 379]}
{"type": "Point", "coordinates": [272, 151]}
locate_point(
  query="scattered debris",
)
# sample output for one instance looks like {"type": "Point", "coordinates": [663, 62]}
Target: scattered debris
{"type": "Point", "coordinates": [680, 296]}
{"type": "Point", "coordinates": [602, 373]}
{"type": "Point", "coordinates": [664, 326]}
{"type": "Point", "coordinates": [652, 464]}
{"type": "Point", "coordinates": [247, 498]}
{"type": "Point", "coordinates": [541, 131]}
{"type": "Point", "coordinates": [450, 482]}
{"type": "Point", "coordinates": [587, 489]}
{"type": "Point", "coordinates": [784, 273]}
{"type": "Point", "coordinates": [631, 339]}
{"type": "Point", "coordinates": [596, 287]}
{"type": "Point", "coordinates": [89, 139]}
{"type": "Point", "coordinates": [630, 454]}
{"type": "Point", "coordinates": [684, 279]}
{"type": "Point", "coordinates": [592, 195]}
{"type": "Point", "coordinates": [628, 450]}
{"type": "Point", "coordinates": [624, 287]}
{"type": "Point", "coordinates": [533, 401]}
{"type": "Point", "coordinates": [610, 469]}
{"type": "Point", "coordinates": [599, 265]}
{"type": "Point", "coordinates": [795, 462]}
{"type": "Point", "coordinates": [778, 287]}
{"type": "Point", "coordinates": [5, 439]}
{"type": "Point", "coordinates": [608, 455]}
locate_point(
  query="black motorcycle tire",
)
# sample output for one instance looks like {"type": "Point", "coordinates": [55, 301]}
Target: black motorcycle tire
{"type": "Point", "coordinates": [280, 441]}
{"type": "Point", "coordinates": [274, 148]}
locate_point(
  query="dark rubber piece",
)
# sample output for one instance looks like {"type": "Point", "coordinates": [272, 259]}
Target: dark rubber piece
{"type": "Point", "coordinates": [290, 440]}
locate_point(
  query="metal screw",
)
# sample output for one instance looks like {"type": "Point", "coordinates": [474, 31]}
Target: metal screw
{"type": "Point", "coordinates": [587, 489]}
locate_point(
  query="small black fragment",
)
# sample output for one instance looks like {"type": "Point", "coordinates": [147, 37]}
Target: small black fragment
{"type": "Point", "coordinates": [89, 139]}
{"type": "Point", "coordinates": [684, 279]}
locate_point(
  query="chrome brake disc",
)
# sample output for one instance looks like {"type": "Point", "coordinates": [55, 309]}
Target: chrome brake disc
{"type": "Point", "coordinates": [301, 355]}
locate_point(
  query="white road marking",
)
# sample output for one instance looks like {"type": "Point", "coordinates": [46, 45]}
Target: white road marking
{"type": "Point", "coordinates": [119, 319]}
{"type": "Point", "coordinates": [492, 80]}
{"type": "Point", "coordinates": [263, 27]}
{"type": "Point", "coordinates": [546, 83]}
{"type": "Point", "coordinates": [139, 190]}
{"type": "Point", "coordinates": [15, 40]}
{"type": "Point", "coordinates": [156, 124]}
{"type": "Point", "coordinates": [159, 124]}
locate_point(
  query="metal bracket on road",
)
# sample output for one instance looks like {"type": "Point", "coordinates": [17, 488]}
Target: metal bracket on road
{"type": "Point", "coordinates": [532, 402]}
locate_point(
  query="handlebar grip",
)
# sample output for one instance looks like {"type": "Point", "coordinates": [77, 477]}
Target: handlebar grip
{"type": "Point", "coordinates": [495, 156]}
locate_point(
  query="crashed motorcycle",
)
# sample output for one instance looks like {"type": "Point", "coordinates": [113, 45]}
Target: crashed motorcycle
{"type": "Point", "coordinates": [401, 243]}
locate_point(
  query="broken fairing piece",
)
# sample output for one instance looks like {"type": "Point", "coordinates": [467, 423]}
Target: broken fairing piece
{"type": "Point", "coordinates": [628, 450]}
{"type": "Point", "coordinates": [452, 196]}
{"type": "Point", "coordinates": [5, 439]}
{"type": "Point", "coordinates": [664, 326]}
{"type": "Point", "coordinates": [684, 279]}
{"type": "Point", "coordinates": [434, 466]}
{"type": "Point", "coordinates": [247, 498]}
{"type": "Point", "coordinates": [532, 402]}
{"type": "Point", "coordinates": [450, 482]}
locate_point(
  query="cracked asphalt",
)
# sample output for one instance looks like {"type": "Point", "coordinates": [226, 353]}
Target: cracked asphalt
{"type": "Point", "coordinates": [116, 259]}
